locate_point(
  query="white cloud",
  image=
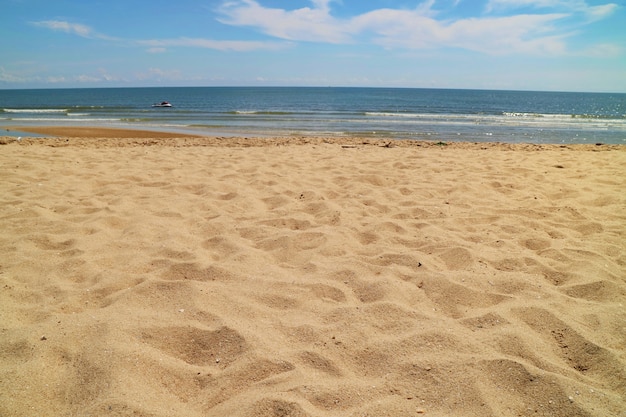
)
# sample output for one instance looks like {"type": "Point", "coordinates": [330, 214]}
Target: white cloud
{"type": "Point", "coordinates": [601, 12]}
{"type": "Point", "coordinates": [55, 80]}
{"type": "Point", "coordinates": [396, 28]}
{"type": "Point", "coordinates": [72, 28]}
{"type": "Point", "coordinates": [545, 31]}
{"type": "Point", "coordinates": [528, 34]}
{"type": "Point", "coordinates": [419, 28]}
{"type": "Point", "coordinates": [67, 27]}
{"type": "Point", "coordinates": [104, 74]}
{"type": "Point", "coordinates": [305, 24]}
{"type": "Point", "coordinates": [87, 78]}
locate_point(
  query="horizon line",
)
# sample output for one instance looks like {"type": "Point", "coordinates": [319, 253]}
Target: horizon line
{"type": "Point", "coordinates": [530, 90]}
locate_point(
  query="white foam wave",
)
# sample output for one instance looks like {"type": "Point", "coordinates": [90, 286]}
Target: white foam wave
{"type": "Point", "coordinates": [564, 121]}
{"type": "Point", "coordinates": [391, 114]}
{"type": "Point", "coordinates": [53, 119]}
{"type": "Point", "coordinates": [35, 110]}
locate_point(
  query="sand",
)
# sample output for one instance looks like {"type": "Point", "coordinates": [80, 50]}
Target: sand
{"type": "Point", "coordinates": [161, 277]}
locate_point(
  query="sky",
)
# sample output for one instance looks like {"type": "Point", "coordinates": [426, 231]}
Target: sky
{"type": "Point", "coordinates": [547, 45]}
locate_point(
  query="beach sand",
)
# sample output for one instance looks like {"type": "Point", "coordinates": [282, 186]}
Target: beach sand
{"type": "Point", "coordinates": [156, 276]}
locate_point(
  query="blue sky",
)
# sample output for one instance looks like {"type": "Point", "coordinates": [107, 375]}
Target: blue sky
{"type": "Point", "coordinates": [562, 45]}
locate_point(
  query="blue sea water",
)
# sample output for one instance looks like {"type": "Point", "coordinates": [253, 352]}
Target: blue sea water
{"type": "Point", "coordinates": [402, 113]}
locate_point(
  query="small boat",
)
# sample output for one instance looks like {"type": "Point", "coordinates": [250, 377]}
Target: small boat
{"type": "Point", "coordinates": [162, 104]}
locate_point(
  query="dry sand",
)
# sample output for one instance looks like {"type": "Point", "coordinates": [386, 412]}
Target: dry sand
{"type": "Point", "coordinates": [310, 277]}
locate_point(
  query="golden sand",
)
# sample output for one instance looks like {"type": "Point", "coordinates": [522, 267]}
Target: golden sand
{"type": "Point", "coordinates": [159, 276]}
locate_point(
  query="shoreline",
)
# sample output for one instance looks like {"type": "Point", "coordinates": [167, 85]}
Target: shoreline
{"type": "Point", "coordinates": [97, 132]}
{"type": "Point", "coordinates": [104, 136]}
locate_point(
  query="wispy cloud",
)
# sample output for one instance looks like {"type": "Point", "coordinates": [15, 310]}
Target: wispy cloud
{"type": "Point", "coordinates": [99, 75]}
{"type": "Point", "coordinates": [515, 4]}
{"type": "Point", "coordinates": [71, 28]}
{"type": "Point", "coordinates": [159, 74]}
{"type": "Point", "coordinates": [51, 79]}
{"type": "Point", "coordinates": [516, 34]}
{"type": "Point", "coordinates": [601, 12]}
{"type": "Point", "coordinates": [580, 7]}
{"type": "Point", "coordinates": [23, 77]}
{"type": "Point", "coordinates": [160, 45]}
{"type": "Point", "coordinates": [11, 77]}
{"type": "Point", "coordinates": [220, 45]}
{"type": "Point", "coordinates": [420, 28]}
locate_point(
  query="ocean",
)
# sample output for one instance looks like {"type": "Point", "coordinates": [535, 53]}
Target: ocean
{"type": "Point", "coordinates": [398, 113]}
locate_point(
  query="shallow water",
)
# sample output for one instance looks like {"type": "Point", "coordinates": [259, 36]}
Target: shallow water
{"type": "Point", "coordinates": [435, 114]}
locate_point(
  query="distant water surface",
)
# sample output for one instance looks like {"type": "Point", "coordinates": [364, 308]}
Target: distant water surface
{"type": "Point", "coordinates": [400, 113]}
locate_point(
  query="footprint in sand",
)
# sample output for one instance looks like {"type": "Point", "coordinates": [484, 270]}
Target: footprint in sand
{"type": "Point", "coordinates": [455, 299]}
{"type": "Point", "coordinates": [190, 271]}
{"type": "Point", "coordinates": [219, 347]}
{"type": "Point", "coordinates": [578, 352]}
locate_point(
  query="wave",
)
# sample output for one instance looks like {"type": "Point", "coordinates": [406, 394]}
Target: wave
{"type": "Point", "coordinates": [565, 116]}
{"type": "Point", "coordinates": [504, 114]}
{"type": "Point", "coordinates": [35, 110]}
{"type": "Point", "coordinates": [504, 118]}
{"type": "Point", "coordinates": [266, 112]}
{"type": "Point", "coordinates": [205, 125]}
{"type": "Point", "coordinates": [88, 107]}
{"type": "Point", "coordinates": [521, 114]}
{"type": "Point", "coordinates": [393, 114]}
{"type": "Point", "coordinates": [52, 119]}
{"type": "Point", "coordinates": [137, 119]}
